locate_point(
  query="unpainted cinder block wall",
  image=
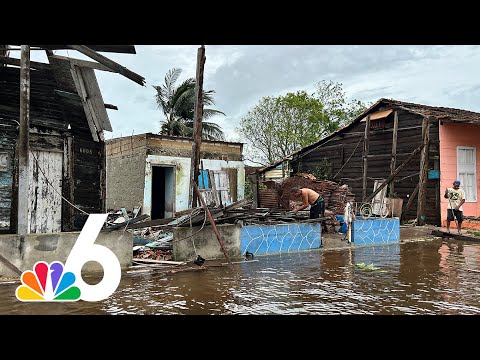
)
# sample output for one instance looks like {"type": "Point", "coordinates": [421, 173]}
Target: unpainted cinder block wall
{"type": "Point", "coordinates": [125, 180]}
{"type": "Point", "coordinates": [206, 243]}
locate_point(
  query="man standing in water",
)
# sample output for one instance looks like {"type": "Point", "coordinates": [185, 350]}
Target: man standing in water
{"type": "Point", "coordinates": [312, 199]}
{"type": "Point", "coordinates": [456, 198]}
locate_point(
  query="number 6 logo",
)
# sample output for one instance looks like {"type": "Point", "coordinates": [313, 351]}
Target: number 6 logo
{"type": "Point", "coordinates": [85, 250]}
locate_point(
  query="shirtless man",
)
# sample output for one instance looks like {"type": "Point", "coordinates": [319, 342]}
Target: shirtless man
{"type": "Point", "coordinates": [310, 198]}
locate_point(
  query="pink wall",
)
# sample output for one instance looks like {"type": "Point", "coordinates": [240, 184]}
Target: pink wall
{"type": "Point", "coordinates": [451, 136]}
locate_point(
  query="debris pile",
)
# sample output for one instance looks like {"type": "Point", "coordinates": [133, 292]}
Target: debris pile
{"type": "Point", "coordinates": [153, 239]}
{"type": "Point", "coordinates": [154, 254]}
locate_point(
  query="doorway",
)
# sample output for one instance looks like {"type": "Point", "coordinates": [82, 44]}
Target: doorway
{"type": "Point", "coordinates": [163, 192]}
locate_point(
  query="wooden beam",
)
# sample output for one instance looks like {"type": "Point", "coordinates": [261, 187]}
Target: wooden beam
{"type": "Point", "coordinates": [410, 202]}
{"type": "Point", "coordinates": [422, 192]}
{"type": "Point", "coordinates": [23, 142]}
{"type": "Point", "coordinates": [256, 195]}
{"type": "Point", "coordinates": [394, 149]}
{"type": "Point", "coordinates": [366, 138]}
{"type": "Point", "coordinates": [212, 222]}
{"type": "Point", "coordinates": [95, 99]}
{"type": "Point", "coordinates": [197, 124]}
{"type": "Point", "coordinates": [216, 196]}
{"type": "Point", "coordinates": [152, 261]}
{"type": "Point", "coordinates": [386, 156]}
{"type": "Point", "coordinates": [83, 63]}
{"type": "Point", "coordinates": [455, 236]}
{"type": "Point", "coordinates": [9, 265]}
{"type": "Point", "coordinates": [68, 95]}
{"type": "Point", "coordinates": [109, 63]}
{"type": "Point", "coordinates": [122, 49]}
{"type": "Point", "coordinates": [110, 106]}
{"type": "Point", "coordinates": [392, 176]}
{"type": "Point", "coordinates": [16, 62]}
{"type": "Point", "coordinates": [79, 85]}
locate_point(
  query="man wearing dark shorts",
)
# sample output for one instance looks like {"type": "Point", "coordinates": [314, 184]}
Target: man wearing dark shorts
{"type": "Point", "coordinates": [312, 199]}
{"type": "Point", "coordinates": [456, 198]}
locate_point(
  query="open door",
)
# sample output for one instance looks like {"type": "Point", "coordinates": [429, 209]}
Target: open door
{"type": "Point", "coordinates": [163, 192]}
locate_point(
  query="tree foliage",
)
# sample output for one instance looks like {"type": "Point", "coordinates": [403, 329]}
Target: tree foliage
{"type": "Point", "coordinates": [178, 106]}
{"type": "Point", "coordinates": [278, 126]}
{"type": "Point", "coordinates": [335, 104]}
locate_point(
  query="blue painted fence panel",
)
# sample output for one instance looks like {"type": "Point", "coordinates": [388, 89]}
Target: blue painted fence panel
{"type": "Point", "coordinates": [279, 238]}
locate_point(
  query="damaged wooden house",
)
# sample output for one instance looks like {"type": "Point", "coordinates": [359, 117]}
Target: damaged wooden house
{"type": "Point", "coordinates": [66, 148]}
{"type": "Point", "coordinates": [153, 172]}
{"type": "Point", "coordinates": [416, 150]}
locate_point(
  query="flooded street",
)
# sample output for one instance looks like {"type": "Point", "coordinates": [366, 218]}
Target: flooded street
{"type": "Point", "coordinates": [432, 277]}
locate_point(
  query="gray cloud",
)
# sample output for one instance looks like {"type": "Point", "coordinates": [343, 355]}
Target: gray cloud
{"type": "Point", "coordinates": [241, 75]}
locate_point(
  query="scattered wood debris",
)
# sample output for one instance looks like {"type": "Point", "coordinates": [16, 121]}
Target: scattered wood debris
{"type": "Point", "coordinates": [189, 269]}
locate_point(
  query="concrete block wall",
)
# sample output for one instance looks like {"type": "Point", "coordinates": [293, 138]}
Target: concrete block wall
{"type": "Point", "coordinates": [280, 238]}
{"type": "Point", "coordinates": [257, 239]}
{"type": "Point", "coordinates": [125, 179]}
{"type": "Point", "coordinates": [375, 231]}
{"type": "Point", "coordinates": [206, 243]}
{"type": "Point", "coordinates": [25, 252]}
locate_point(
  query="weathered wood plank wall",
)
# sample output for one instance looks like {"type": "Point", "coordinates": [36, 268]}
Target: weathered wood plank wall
{"type": "Point", "coordinates": [83, 160]}
{"type": "Point", "coordinates": [339, 149]}
{"type": "Point", "coordinates": [45, 204]}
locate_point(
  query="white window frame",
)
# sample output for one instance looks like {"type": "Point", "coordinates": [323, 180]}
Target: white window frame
{"type": "Point", "coordinates": [474, 200]}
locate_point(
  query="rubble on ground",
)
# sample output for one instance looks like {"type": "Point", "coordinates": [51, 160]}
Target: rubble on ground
{"type": "Point", "coordinates": [152, 239]}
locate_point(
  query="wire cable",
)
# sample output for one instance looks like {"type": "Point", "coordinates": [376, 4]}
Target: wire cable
{"type": "Point", "coordinates": [53, 187]}
{"type": "Point", "coordinates": [348, 158]}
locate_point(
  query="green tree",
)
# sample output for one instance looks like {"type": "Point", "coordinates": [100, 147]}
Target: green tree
{"type": "Point", "coordinates": [335, 104]}
{"type": "Point", "coordinates": [178, 106]}
{"type": "Point", "coordinates": [278, 126]}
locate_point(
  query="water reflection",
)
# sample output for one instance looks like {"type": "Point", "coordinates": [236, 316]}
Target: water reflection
{"type": "Point", "coordinates": [432, 277]}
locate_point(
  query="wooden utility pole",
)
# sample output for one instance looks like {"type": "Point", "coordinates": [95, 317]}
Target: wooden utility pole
{"type": "Point", "coordinates": [197, 125]}
{"type": "Point", "coordinates": [212, 222]}
{"type": "Point", "coordinates": [422, 191]}
{"type": "Point", "coordinates": [22, 143]}
{"type": "Point", "coordinates": [394, 150]}
{"type": "Point", "coordinates": [365, 158]}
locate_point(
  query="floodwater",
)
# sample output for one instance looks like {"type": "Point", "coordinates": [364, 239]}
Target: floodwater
{"type": "Point", "coordinates": [428, 277]}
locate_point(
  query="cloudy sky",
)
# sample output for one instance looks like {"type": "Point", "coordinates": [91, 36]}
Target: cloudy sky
{"type": "Point", "coordinates": [242, 74]}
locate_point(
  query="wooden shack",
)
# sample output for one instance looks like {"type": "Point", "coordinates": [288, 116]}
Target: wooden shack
{"type": "Point", "coordinates": [67, 117]}
{"type": "Point", "coordinates": [417, 150]}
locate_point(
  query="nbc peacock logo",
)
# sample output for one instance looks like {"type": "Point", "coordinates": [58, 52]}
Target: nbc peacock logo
{"type": "Point", "coordinates": [48, 283]}
{"type": "Point", "coordinates": [56, 282]}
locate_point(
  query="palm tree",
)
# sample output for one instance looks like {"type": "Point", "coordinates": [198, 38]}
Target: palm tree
{"type": "Point", "coordinates": [178, 103]}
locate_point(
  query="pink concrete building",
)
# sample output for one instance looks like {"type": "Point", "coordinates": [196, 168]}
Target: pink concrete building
{"type": "Point", "coordinates": [460, 159]}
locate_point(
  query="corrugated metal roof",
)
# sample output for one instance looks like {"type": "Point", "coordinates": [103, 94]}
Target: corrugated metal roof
{"type": "Point", "coordinates": [440, 113]}
{"type": "Point", "coordinates": [435, 111]}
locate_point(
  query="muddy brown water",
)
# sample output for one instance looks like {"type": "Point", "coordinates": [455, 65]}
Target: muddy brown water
{"type": "Point", "coordinates": [429, 277]}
